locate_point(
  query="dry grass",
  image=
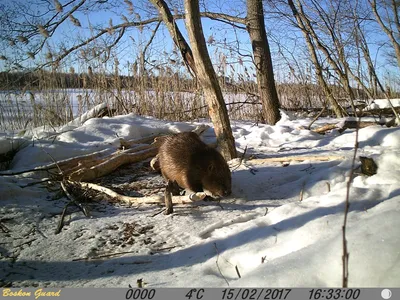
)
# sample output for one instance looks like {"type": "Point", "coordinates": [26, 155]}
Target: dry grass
{"type": "Point", "coordinates": [53, 98]}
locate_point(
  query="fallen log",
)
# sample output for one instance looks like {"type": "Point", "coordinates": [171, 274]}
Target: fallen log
{"type": "Point", "coordinates": [343, 126]}
{"type": "Point", "coordinates": [77, 166]}
{"type": "Point", "coordinates": [146, 140]}
{"type": "Point", "coordinates": [94, 165]}
{"type": "Point", "coordinates": [111, 164]}
{"type": "Point", "coordinates": [325, 128]}
{"type": "Point", "coordinates": [387, 111]}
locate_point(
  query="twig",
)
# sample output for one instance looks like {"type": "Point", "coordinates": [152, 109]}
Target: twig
{"type": "Point", "coordinates": [163, 249]}
{"type": "Point", "coordinates": [35, 183]}
{"type": "Point", "coordinates": [27, 242]}
{"type": "Point", "coordinates": [241, 159]}
{"type": "Point", "coordinates": [61, 221]}
{"type": "Point", "coordinates": [302, 191]}
{"type": "Point", "coordinates": [43, 168]}
{"type": "Point", "coordinates": [218, 203]}
{"type": "Point", "coordinates": [151, 39]}
{"type": "Point", "coordinates": [252, 171]}
{"type": "Point", "coordinates": [112, 254]}
{"type": "Point", "coordinates": [74, 201]}
{"type": "Point", "coordinates": [316, 118]}
{"type": "Point", "coordinates": [56, 164]}
{"type": "Point", "coordinates": [220, 272]}
{"type": "Point", "coordinates": [329, 186]}
{"type": "Point", "coordinates": [157, 213]}
{"type": "Point", "coordinates": [345, 257]}
{"type": "Point", "coordinates": [82, 207]}
{"type": "Point", "coordinates": [266, 211]}
{"type": "Point", "coordinates": [4, 228]}
{"type": "Point", "coordinates": [237, 271]}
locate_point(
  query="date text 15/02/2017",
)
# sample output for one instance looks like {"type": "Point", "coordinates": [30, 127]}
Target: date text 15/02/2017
{"type": "Point", "coordinates": [256, 294]}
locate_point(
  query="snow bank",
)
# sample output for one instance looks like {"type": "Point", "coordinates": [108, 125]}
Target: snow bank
{"type": "Point", "coordinates": [262, 229]}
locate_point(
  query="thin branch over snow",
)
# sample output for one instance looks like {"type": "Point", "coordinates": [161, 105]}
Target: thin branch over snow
{"type": "Point", "coordinates": [345, 256]}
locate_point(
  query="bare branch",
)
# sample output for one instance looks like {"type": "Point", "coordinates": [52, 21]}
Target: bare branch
{"type": "Point", "coordinates": [231, 20]}
{"type": "Point", "coordinates": [386, 27]}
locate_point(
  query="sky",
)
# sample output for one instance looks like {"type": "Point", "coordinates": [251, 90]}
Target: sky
{"type": "Point", "coordinates": [161, 49]}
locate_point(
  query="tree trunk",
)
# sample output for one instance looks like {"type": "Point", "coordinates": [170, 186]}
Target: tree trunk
{"type": "Point", "coordinates": [208, 80]}
{"type": "Point", "coordinates": [261, 54]}
{"type": "Point", "coordinates": [263, 62]}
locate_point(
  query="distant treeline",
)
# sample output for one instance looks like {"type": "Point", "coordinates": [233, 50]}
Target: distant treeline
{"type": "Point", "coordinates": [50, 80]}
{"type": "Point", "coordinates": [293, 95]}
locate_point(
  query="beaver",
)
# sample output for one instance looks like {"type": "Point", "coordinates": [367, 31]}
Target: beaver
{"type": "Point", "coordinates": [194, 165]}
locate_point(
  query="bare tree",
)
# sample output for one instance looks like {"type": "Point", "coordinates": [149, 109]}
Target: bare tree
{"type": "Point", "coordinates": [305, 26]}
{"type": "Point", "coordinates": [208, 80]}
{"type": "Point", "coordinates": [369, 81]}
{"type": "Point", "coordinates": [255, 26]}
{"type": "Point", "coordinates": [387, 14]}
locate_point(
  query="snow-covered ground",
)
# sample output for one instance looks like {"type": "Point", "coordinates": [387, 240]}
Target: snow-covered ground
{"type": "Point", "coordinates": [262, 231]}
{"type": "Point", "coordinates": [382, 103]}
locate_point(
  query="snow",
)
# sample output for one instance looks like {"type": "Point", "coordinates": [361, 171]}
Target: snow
{"type": "Point", "coordinates": [383, 103]}
{"type": "Point", "coordinates": [262, 229]}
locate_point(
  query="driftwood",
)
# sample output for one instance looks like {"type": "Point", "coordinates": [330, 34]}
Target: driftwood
{"type": "Point", "coordinates": [91, 166]}
{"type": "Point", "coordinates": [154, 199]}
{"type": "Point", "coordinates": [388, 111]}
{"type": "Point", "coordinates": [97, 168]}
{"type": "Point", "coordinates": [342, 127]}
{"type": "Point", "coordinates": [65, 163]}
{"type": "Point", "coordinates": [131, 143]}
